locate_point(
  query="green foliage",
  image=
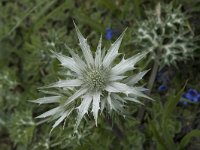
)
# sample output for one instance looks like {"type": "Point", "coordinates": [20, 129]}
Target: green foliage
{"type": "Point", "coordinates": [186, 139]}
{"type": "Point", "coordinates": [21, 128]}
{"type": "Point", "coordinates": [31, 28]}
{"type": "Point", "coordinates": [164, 126]}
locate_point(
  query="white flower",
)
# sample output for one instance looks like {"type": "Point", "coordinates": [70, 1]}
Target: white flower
{"type": "Point", "coordinates": [97, 83]}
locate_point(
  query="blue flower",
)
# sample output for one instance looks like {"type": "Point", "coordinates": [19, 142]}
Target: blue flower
{"type": "Point", "coordinates": [192, 95]}
{"type": "Point", "coordinates": [109, 34]}
{"type": "Point", "coordinates": [162, 88]}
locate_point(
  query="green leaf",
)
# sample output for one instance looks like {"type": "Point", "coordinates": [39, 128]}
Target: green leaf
{"type": "Point", "coordinates": [109, 4]}
{"type": "Point", "coordinates": [137, 10]}
{"type": "Point", "coordinates": [26, 14]}
{"type": "Point", "coordinates": [82, 17]}
{"type": "Point", "coordinates": [171, 104]}
{"type": "Point", "coordinates": [186, 139]}
{"type": "Point", "coordinates": [168, 110]}
{"type": "Point", "coordinates": [41, 18]}
{"type": "Point", "coordinates": [157, 135]}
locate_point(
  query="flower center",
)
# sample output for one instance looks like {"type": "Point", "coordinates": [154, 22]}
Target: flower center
{"type": "Point", "coordinates": [95, 79]}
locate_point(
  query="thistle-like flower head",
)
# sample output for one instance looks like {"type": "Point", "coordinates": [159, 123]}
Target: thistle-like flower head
{"type": "Point", "coordinates": [166, 35]}
{"type": "Point", "coordinates": [96, 83]}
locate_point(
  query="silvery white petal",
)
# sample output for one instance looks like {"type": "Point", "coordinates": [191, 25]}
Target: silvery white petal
{"type": "Point", "coordinates": [63, 116]}
{"type": "Point", "coordinates": [135, 78]}
{"type": "Point", "coordinates": [85, 47]}
{"type": "Point", "coordinates": [103, 103]}
{"type": "Point", "coordinates": [136, 92]}
{"type": "Point", "coordinates": [110, 102]}
{"type": "Point", "coordinates": [111, 89]}
{"type": "Point", "coordinates": [141, 88]}
{"type": "Point", "coordinates": [117, 105]}
{"type": "Point", "coordinates": [119, 87]}
{"type": "Point", "coordinates": [76, 95]}
{"type": "Point", "coordinates": [50, 112]}
{"type": "Point", "coordinates": [80, 63]}
{"type": "Point", "coordinates": [83, 108]}
{"type": "Point", "coordinates": [45, 100]}
{"type": "Point", "coordinates": [114, 104]}
{"type": "Point", "coordinates": [113, 51]}
{"type": "Point", "coordinates": [103, 53]}
{"type": "Point", "coordinates": [126, 65]}
{"type": "Point", "coordinates": [50, 92]}
{"type": "Point", "coordinates": [67, 62]}
{"type": "Point", "coordinates": [66, 83]}
{"type": "Point", "coordinates": [98, 58]}
{"type": "Point", "coordinates": [133, 100]}
{"type": "Point", "coordinates": [116, 96]}
{"type": "Point", "coordinates": [95, 105]}
{"type": "Point", "coordinates": [116, 78]}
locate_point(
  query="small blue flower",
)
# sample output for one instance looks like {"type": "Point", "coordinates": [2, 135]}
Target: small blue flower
{"type": "Point", "coordinates": [192, 95]}
{"type": "Point", "coordinates": [109, 33]}
{"type": "Point", "coordinates": [162, 88]}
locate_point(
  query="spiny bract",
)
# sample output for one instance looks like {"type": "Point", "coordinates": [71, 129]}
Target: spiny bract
{"type": "Point", "coordinates": [96, 83]}
{"type": "Point", "coordinates": [166, 35]}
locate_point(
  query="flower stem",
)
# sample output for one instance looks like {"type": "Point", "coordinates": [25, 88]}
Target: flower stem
{"type": "Point", "coordinates": [150, 87]}
{"type": "Point", "coordinates": [152, 77]}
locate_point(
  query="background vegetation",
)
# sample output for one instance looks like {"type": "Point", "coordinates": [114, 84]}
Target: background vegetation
{"type": "Point", "coordinates": [30, 28]}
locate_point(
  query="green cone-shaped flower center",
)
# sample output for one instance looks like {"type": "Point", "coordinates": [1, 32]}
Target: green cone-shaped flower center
{"type": "Point", "coordinates": [95, 79]}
